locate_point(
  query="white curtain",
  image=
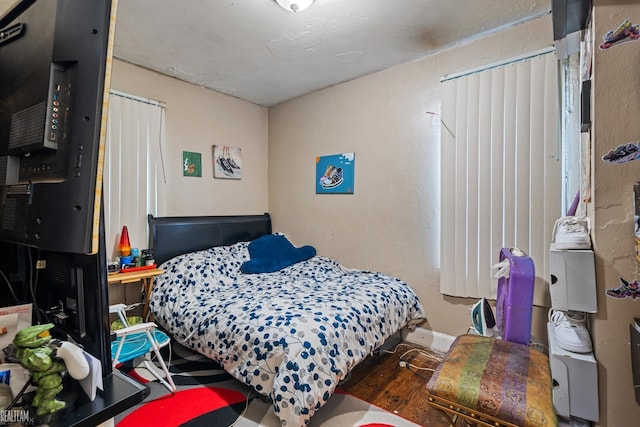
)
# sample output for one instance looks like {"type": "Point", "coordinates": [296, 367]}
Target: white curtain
{"type": "Point", "coordinates": [134, 183]}
{"type": "Point", "coordinates": [501, 172]}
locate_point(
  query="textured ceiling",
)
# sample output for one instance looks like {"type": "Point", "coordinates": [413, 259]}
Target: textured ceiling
{"type": "Point", "coordinates": [256, 51]}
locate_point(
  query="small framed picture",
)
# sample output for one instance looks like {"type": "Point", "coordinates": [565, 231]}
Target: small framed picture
{"type": "Point", "coordinates": [227, 162]}
{"type": "Point", "coordinates": [191, 164]}
{"type": "Point", "coordinates": [335, 174]}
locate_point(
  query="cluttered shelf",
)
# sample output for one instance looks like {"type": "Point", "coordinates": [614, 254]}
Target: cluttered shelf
{"type": "Point", "coordinates": [48, 381]}
{"type": "Point", "coordinates": [118, 393]}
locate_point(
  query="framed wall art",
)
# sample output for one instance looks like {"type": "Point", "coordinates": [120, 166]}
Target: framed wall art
{"type": "Point", "coordinates": [335, 174]}
{"type": "Point", "coordinates": [191, 164]}
{"type": "Point", "coordinates": [227, 162]}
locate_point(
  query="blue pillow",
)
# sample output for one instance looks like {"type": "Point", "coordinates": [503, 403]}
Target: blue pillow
{"type": "Point", "coordinates": [274, 252]}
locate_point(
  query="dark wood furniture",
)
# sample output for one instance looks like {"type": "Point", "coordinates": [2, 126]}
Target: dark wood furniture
{"type": "Point", "coordinates": [173, 236]}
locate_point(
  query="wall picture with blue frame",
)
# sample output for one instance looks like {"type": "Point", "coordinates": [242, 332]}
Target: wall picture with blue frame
{"type": "Point", "coordinates": [335, 174]}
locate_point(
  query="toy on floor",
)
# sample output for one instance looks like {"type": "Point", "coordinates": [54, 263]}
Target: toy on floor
{"type": "Point", "coordinates": [47, 359]}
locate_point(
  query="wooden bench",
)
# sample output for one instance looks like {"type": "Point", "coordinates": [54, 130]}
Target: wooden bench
{"type": "Point", "coordinates": [493, 383]}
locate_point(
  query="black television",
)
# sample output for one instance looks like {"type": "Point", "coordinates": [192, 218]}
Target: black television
{"type": "Point", "coordinates": [54, 72]}
{"type": "Point", "coordinates": [66, 289]}
{"type": "Point", "coordinates": [55, 58]}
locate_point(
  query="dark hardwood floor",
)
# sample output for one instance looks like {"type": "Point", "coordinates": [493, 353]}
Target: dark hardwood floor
{"type": "Point", "coordinates": [402, 390]}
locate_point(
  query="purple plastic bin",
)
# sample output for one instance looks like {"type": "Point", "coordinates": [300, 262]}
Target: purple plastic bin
{"type": "Point", "coordinates": [515, 297]}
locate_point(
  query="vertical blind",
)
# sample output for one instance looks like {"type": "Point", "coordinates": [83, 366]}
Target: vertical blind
{"type": "Point", "coordinates": [501, 173]}
{"type": "Point", "coordinates": [133, 183]}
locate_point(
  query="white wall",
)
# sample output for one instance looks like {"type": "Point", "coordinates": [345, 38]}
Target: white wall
{"type": "Point", "coordinates": [197, 119]}
{"type": "Point", "coordinates": [391, 120]}
{"type": "Point", "coordinates": [615, 110]}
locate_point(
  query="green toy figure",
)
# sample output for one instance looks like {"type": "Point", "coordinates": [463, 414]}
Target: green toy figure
{"type": "Point", "coordinates": [47, 359]}
{"type": "Point", "coordinates": [33, 352]}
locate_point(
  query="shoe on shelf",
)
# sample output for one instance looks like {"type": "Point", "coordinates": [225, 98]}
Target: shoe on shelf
{"type": "Point", "coordinates": [570, 331]}
{"type": "Point", "coordinates": [572, 232]}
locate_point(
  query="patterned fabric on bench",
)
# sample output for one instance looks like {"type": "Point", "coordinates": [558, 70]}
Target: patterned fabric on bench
{"type": "Point", "coordinates": [504, 380]}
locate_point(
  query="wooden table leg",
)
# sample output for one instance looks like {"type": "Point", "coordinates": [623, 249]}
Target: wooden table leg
{"type": "Point", "coordinates": [148, 284]}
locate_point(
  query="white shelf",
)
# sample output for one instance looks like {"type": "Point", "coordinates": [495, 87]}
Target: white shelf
{"type": "Point", "coordinates": [573, 280]}
{"type": "Point", "coordinates": [575, 377]}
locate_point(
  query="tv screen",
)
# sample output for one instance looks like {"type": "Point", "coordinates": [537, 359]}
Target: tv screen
{"type": "Point", "coordinates": [54, 83]}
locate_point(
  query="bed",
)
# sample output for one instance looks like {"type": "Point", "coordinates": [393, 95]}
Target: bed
{"type": "Point", "coordinates": [292, 334]}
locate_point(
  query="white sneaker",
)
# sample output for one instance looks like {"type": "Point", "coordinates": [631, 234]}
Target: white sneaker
{"type": "Point", "coordinates": [572, 232]}
{"type": "Point", "coordinates": [571, 332]}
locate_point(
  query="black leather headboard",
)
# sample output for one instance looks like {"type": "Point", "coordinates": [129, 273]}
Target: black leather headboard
{"type": "Point", "coordinates": [173, 236]}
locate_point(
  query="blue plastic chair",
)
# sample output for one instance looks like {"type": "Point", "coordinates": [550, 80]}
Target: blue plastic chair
{"type": "Point", "coordinates": [136, 342]}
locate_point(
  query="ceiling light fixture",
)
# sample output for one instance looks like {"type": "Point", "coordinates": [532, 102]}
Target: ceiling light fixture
{"type": "Point", "coordinates": [294, 5]}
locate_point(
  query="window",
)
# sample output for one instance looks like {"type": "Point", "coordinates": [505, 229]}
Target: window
{"type": "Point", "coordinates": [570, 98]}
{"type": "Point", "coordinates": [501, 172]}
{"type": "Point", "coordinates": [134, 182]}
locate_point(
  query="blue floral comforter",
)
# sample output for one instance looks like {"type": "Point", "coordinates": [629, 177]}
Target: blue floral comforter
{"type": "Point", "coordinates": [292, 335]}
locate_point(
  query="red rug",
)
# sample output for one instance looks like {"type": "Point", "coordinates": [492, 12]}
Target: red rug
{"type": "Point", "coordinates": [207, 396]}
{"type": "Point", "coordinates": [198, 406]}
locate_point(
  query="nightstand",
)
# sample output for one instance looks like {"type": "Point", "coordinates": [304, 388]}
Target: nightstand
{"type": "Point", "coordinates": [137, 276]}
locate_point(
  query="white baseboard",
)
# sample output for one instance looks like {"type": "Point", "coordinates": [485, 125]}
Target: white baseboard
{"type": "Point", "coordinates": [433, 340]}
